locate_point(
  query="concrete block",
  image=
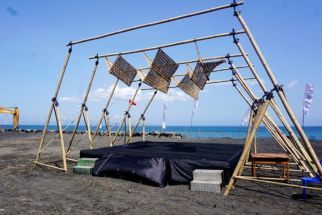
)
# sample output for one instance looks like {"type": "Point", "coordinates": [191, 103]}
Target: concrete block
{"type": "Point", "coordinates": [208, 175]}
{"type": "Point", "coordinates": [85, 170]}
{"type": "Point", "coordinates": [205, 186]}
{"type": "Point", "coordinates": [86, 162]}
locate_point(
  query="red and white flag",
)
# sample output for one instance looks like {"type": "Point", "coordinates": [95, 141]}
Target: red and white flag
{"type": "Point", "coordinates": [132, 102]}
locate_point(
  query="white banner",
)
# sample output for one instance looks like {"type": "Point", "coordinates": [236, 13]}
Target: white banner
{"type": "Point", "coordinates": [308, 98]}
{"type": "Point", "coordinates": [246, 118]}
{"type": "Point", "coordinates": [165, 107]}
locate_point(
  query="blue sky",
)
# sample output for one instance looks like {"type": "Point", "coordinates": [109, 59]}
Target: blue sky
{"type": "Point", "coordinates": [34, 34]}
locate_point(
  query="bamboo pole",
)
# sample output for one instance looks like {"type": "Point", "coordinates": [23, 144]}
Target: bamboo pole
{"type": "Point", "coordinates": [260, 115]}
{"type": "Point", "coordinates": [197, 13]}
{"type": "Point", "coordinates": [143, 113]}
{"type": "Point", "coordinates": [105, 109]}
{"type": "Point", "coordinates": [143, 129]}
{"type": "Point", "coordinates": [83, 106]}
{"type": "Point", "coordinates": [169, 44]}
{"type": "Point", "coordinates": [126, 112]}
{"type": "Point", "coordinates": [60, 131]}
{"type": "Point", "coordinates": [88, 126]}
{"type": "Point", "coordinates": [273, 103]}
{"type": "Point", "coordinates": [130, 128]}
{"type": "Point", "coordinates": [280, 93]}
{"type": "Point", "coordinates": [193, 61]}
{"type": "Point", "coordinates": [278, 183]}
{"type": "Point", "coordinates": [208, 82]}
{"type": "Point", "coordinates": [53, 103]}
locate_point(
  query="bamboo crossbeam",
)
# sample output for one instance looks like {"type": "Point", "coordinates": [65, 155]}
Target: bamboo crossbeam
{"type": "Point", "coordinates": [208, 82]}
{"type": "Point", "coordinates": [197, 13]}
{"type": "Point", "coordinates": [50, 166]}
{"type": "Point", "coordinates": [280, 93]}
{"type": "Point", "coordinates": [213, 36]}
{"type": "Point", "coordinates": [277, 183]}
{"type": "Point", "coordinates": [196, 60]}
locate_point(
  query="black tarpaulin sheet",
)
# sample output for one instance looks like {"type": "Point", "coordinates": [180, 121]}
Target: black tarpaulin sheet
{"type": "Point", "coordinates": [164, 162]}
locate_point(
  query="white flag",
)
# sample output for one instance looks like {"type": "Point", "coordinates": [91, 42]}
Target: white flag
{"type": "Point", "coordinates": [195, 106]}
{"type": "Point", "coordinates": [246, 118]}
{"type": "Point", "coordinates": [308, 98]}
{"type": "Point", "coordinates": [165, 107]}
{"type": "Point", "coordinates": [194, 109]}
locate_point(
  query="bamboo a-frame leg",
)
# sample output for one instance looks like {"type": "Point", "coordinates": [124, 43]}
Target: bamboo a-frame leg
{"type": "Point", "coordinates": [142, 117]}
{"type": "Point", "coordinates": [285, 141]}
{"type": "Point", "coordinates": [238, 170]}
{"type": "Point", "coordinates": [278, 135]}
{"type": "Point", "coordinates": [126, 113]}
{"type": "Point", "coordinates": [280, 93]}
{"type": "Point", "coordinates": [273, 104]}
{"type": "Point", "coordinates": [83, 111]}
{"type": "Point", "coordinates": [54, 107]}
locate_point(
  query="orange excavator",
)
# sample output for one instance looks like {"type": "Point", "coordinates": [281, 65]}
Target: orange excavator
{"type": "Point", "coordinates": [15, 114]}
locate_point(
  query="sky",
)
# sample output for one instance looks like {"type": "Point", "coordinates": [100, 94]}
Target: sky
{"type": "Point", "coordinates": [33, 42]}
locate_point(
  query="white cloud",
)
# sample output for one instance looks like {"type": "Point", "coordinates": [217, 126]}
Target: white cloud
{"type": "Point", "coordinates": [292, 84]}
{"type": "Point", "coordinates": [70, 99]}
{"type": "Point", "coordinates": [173, 96]}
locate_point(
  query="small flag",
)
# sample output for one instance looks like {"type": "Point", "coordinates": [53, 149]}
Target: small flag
{"type": "Point", "coordinates": [165, 107]}
{"type": "Point", "coordinates": [194, 109]}
{"type": "Point", "coordinates": [132, 102]}
{"type": "Point", "coordinates": [308, 98]}
{"type": "Point", "coordinates": [246, 118]}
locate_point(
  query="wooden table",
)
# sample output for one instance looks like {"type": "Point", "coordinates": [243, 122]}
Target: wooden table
{"type": "Point", "coordinates": [271, 159]}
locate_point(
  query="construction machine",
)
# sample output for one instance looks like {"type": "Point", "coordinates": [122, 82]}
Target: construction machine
{"type": "Point", "coordinates": [15, 115]}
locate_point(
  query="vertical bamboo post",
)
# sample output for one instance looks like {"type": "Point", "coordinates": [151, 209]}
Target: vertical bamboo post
{"type": "Point", "coordinates": [130, 129]}
{"type": "Point", "coordinates": [127, 111]}
{"type": "Point", "coordinates": [273, 103]}
{"type": "Point", "coordinates": [280, 93]}
{"type": "Point", "coordinates": [42, 140]}
{"type": "Point", "coordinates": [83, 106]}
{"type": "Point", "coordinates": [88, 126]}
{"type": "Point", "coordinates": [60, 131]}
{"type": "Point", "coordinates": [143, 129]}
{"type": "Point", "coordinates": [261, 112]}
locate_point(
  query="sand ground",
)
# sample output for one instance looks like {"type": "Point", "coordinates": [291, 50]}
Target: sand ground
{"type": "Point", "coordinates": [29, 189]}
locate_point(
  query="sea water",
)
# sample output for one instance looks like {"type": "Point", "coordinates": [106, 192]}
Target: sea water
{"type": "Point", "coordinates": [312, 132]}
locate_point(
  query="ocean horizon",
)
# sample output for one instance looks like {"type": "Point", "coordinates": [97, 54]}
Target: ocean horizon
{"type": "Point", "coordinates": [235, 132]}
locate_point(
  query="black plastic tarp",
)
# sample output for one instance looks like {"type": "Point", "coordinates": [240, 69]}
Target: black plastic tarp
{"type": "Point", "coordinates": [164, 162]}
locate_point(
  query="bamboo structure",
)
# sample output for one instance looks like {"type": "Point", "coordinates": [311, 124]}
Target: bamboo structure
{"type": "Point", "coordinates": [273, 104]}
{"type": "Point", "coordinates": [280, 93]}
{"type": "Point", "coordinates": [302, 154]}
{"type": "Point", "coordinates": [54, 107]}
{"type": "Point", "coordinates": [282, 138]}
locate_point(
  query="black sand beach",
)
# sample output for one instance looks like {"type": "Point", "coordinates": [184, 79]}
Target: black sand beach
{"type": "Point", "coordinates": [29, 189]}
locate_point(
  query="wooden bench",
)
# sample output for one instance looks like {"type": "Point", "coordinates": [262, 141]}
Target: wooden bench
{"type": "Point", "coordinates": [271, 159]}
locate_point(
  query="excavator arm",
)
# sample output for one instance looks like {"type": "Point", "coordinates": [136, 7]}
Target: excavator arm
{"type": "Point", "coordinates": [15, 113]}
